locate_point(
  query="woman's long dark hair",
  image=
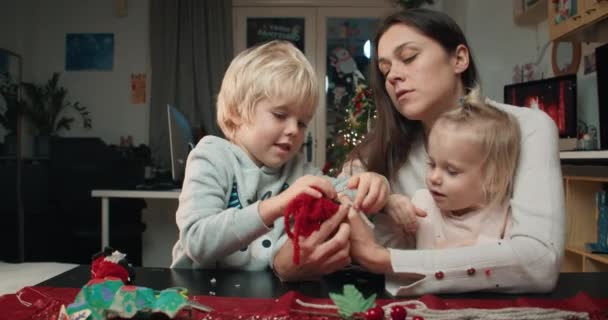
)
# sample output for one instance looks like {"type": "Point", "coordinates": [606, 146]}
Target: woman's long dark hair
{"type": "Point", "coordinates": [386, 147]}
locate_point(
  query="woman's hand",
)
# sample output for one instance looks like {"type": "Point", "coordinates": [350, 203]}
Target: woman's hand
{"type": "Point", "coordinates": [363, 246]}
{"type": "Point", "coordinates": [401, 209]}
{"type": "Point", "coordinates": [372, 191]}
{"type": "Point", "coordinates": [321, 253]}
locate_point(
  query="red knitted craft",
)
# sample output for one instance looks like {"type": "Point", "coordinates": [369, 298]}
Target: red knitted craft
{"type": "Point", "coordinates": [112, 263]}
{"type": "Point", "coordinates": [102, 268]}
{"type": "Point", "coordinates": [308, 214]}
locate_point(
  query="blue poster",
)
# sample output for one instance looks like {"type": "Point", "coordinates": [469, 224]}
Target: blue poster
{"type": "Point", "coordinates": [89, 51]}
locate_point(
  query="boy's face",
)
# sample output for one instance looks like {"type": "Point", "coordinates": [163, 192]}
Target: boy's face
{"type": "Point", "coordinates": [454, 173]}
{"type": "Point", "coordinates": [276, 132]}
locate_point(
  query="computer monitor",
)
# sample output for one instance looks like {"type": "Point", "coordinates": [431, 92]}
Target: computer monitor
{"type": "Point", "coordinates": [181, 141]}
{"type": "Point", "coordinates": [555, 96]}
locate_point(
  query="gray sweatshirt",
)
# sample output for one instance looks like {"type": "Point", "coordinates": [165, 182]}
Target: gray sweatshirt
{"type": "Point", "coordinates": [218, 219]}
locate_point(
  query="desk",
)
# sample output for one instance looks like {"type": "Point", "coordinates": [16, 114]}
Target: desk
{"type": "Point", "coordinates": [105, 196]}
{"type": "Point", "coordinates": [264, 284]}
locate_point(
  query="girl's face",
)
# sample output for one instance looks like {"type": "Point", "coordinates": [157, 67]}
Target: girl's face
{"type": "Point", "coordinates": [275, 133]}
{"type": "Point", "coordinates": [421, 79]}
{"type": "Point", "coordinates": [455, 169]}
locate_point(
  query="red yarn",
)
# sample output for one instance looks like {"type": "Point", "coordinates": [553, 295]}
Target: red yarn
{"type": "Point", "coordinates": [308, 213]}
{"type": "Point", "coordinates": [102, 268]}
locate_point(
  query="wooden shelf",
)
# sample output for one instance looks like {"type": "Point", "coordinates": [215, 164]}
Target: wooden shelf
{"type": "Point", "coordinates": [595, 173]}
{"type": "Point", "coordinates": [581, 184]}
{"type": "Point", "coordinates": [533, 14]}
{"type": "Point", "coordinates": [597, 154]}
{"type": "Point", "coordinates": [580, 250]}
{"type": "Point", "coordinates": [587, 24]}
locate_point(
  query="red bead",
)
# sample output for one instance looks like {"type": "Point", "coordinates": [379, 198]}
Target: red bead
{"type": "Point", "coordinates": [439, 275]}
{"type": "Point", "coordinates": [398, 313]}
{"type": "Point", "coordinates": [417, 318]}
{"type": "Point", "coordinates": [375, 313]}
{"type": "Point", "coordinates": [471, 271]}
{"type": "Point", "coordinates": [488, 272]}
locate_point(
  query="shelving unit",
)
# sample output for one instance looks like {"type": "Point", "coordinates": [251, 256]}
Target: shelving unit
{"type": "Point", "coordinates": [582, 213]}
{"type": "Point", "coordinates": [587, 21]}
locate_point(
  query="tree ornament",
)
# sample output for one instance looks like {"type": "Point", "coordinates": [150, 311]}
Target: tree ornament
{"type": "Point", "coordinates": [398, 313]}
{"type": "Point", "coordinates": [375, 313]}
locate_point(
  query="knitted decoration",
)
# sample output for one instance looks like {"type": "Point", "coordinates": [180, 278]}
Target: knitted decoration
{"type": "Point", "coordinates": [112, 263]}
{"type": "Point", "coordinates": [308, 214]}
{"type": "Point", "coordinates": [418, 310]}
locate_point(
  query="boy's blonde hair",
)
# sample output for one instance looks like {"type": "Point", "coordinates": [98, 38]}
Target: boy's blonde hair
{"type": "Point", "coordinates": [276, 69]}
{"type": "Point", "coordinates": [499, 138]}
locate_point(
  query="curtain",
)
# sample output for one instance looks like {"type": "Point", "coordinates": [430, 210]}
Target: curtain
{"type": "Point", "coordinates": [190, 48]}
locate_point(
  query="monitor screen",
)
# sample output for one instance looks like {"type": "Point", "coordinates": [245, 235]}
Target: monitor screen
{"type": "Point", "coordinates": [555, 96]}
{"type": "Point", "coordinates": [181, 141]}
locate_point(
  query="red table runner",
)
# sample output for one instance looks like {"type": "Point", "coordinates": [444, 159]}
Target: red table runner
{"type": "Point", "coordinates": [44, 303]}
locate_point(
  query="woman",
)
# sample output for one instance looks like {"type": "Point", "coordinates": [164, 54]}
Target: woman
{"type": "Point", "coordinates": [422, 68]}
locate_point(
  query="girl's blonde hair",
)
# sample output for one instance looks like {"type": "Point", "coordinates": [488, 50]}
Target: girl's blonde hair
{"type": "Point", "coordinates": [498, 135]}
{"type": "Point", "coordinates": [276, 69]}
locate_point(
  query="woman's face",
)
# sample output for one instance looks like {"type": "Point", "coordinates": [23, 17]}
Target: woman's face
{"type": "Point", "coordinates": [421, 78]}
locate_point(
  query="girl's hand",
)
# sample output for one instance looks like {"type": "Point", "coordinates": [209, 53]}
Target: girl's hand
{"type": "Point", "coordinates": [372, 191]}
{"type": "Point", "coordinates": [401, 209]}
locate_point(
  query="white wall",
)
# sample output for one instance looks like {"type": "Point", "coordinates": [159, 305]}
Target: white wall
{"type": "Point", "coordinates": [500, 45]}
{"type": "Point", "coordinates": [105, 93]}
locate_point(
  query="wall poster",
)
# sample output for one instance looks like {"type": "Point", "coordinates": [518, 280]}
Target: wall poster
{"type": "Point", "coordinates": [267, 29]}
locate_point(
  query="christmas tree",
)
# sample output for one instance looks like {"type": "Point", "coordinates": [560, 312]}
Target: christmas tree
{"type": "Point", "coordinates": [357, 118]}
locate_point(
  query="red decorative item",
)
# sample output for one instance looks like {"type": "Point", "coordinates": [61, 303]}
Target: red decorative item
{"type": "Point", "coordinates": [417, 318]}
{"type": "Point", "coordinates": [398, 313]}
{"type": "Point", "coordinates": [375, 313]}
{"type": "Point", "coordinates": [112, 263]}
{"type": "Point", "coordinates": [471, 271]}
{"type": "Point", "coordinates": [439, 275]}
{"type": "Point", "coordinates": [110, 269]}
{"type": "Point", "coordinates": [488, 272]}
{"type": "Point", "coordinates": [47, 301]}
{"type": "Point", "coordinates": [308, 214]}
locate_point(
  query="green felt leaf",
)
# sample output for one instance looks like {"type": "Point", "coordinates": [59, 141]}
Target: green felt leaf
{"type": "Point", "coordinates": [351, 301]}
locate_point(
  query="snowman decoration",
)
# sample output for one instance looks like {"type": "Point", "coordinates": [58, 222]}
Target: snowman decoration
{"type": "Point", "coordinates": [345, 65]}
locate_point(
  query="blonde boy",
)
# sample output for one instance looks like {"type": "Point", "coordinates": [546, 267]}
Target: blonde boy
{"type": "Point", "coordinates": [234, 190]}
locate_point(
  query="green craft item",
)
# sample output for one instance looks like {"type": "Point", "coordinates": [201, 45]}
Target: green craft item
{"type": "Point", "coordinates": [111, 298]}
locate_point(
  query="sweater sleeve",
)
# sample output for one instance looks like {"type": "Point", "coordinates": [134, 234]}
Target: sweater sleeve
{"type": "Point", "coordinates": [529, 260]}
{"type": "Point", "coordinates": [208, 231]}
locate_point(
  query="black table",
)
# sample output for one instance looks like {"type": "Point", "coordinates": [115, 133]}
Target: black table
{"type": "Point", "coordinates": [264, 284]}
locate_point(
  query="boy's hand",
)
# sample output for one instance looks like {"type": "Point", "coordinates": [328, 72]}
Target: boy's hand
{"type": "Point", "coordinates": [372, 191]}
{"type": "Point", "coordinates": [324, 251]}
{"type": "Point", "coordinates": [315, 186]}
{"type": "Point", "coordinates": [401, 209]}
